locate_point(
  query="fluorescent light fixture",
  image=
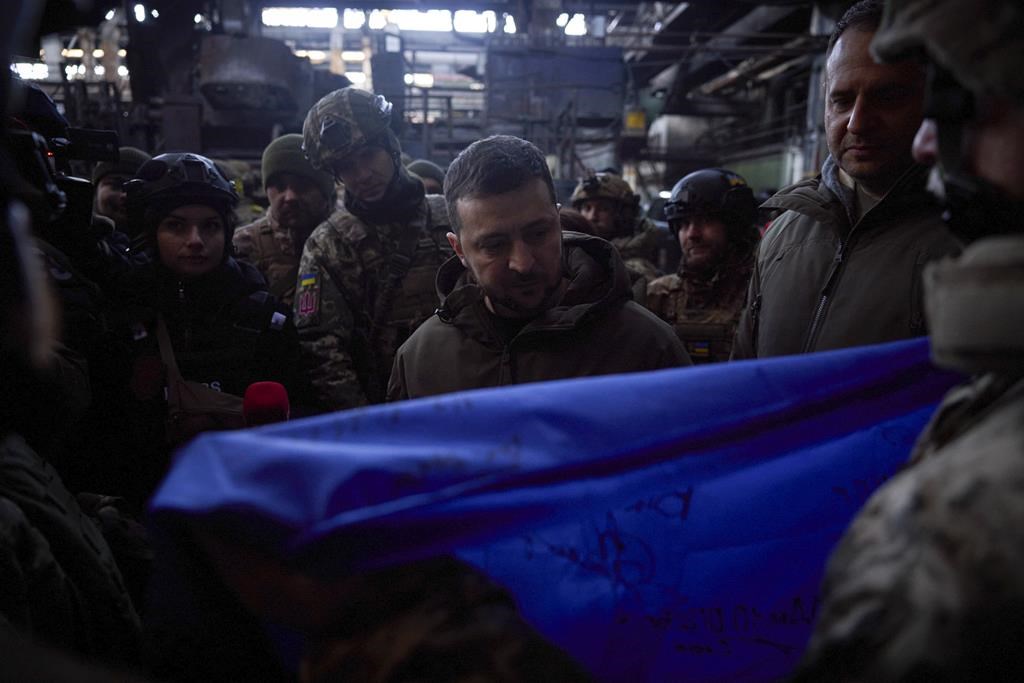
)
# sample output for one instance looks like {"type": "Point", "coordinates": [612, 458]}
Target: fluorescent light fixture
{"type": "Point", "coordinates": [72, 53]}
{"type": "Point", "coordinates": [510, 24]}
{"type": "Point", "coordinates": [562, 20]}
{"type": "Point", "coordinates": [357, 77]}
{"type": "Point", "coordinates": [31, 71]}
{"type": "Point", "coordinates": [197, 19]}
{"type": "Point", "coordinates": [301, 17]}
{"type": "Point", "coordinates": [99, 70]}
{"type": "Point", "coordinates": [416, 20]}
{"type": "Point", "coordinates": [155, 14]}
{"type": "Point", "coordinates": [420, 80]}
{"type": "Point", "coordinates": [316, 56]}
{"type": "Point", "coordinates": [577, 26]}
{"type": "Point", "coordinates": [122, 71]}
{"type": "Point", "coordinates": [468, 21]}
{"type": "Point", "coordinates": [140, 13]}
{"type": "Point", "coordinates": [377, 19]}
{"type": "Point", "coordinates": [122, 53]}
{"type": "Point", "coordinates": [665, 194]}
{"type": "Point", "coordinates": [98, 53]}
{"type": "Point", "coordinates": [353, 19]}
{"type": "Point", "coordinates": [109, 15]}
{"type": "Point", "coordinates": [352, 56]}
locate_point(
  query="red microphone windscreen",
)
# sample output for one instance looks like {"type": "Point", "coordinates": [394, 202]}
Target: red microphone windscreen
{"type": "Point", "coordinates": [265, 402]}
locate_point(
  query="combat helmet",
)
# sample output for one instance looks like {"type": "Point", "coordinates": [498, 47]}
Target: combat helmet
{"type": "Point", "coordinates": [715, 191]}
{"type": "Point", "coordinates": [610, 187]}
{"type": "Point", "coordinates": [966, 67]}
{"type": "Point", "coordinates": [604, 186]}
{"type": "Point", "coordinates": [171, 180]}
{"type": "Point", "coordinates": [986, 59]}
{"type": "Point", "coordinates": [341, 122]}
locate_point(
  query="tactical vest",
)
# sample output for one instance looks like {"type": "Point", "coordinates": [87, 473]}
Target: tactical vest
{"type": "Point", "coordinates": [400, 289]}
{"type": "Point", "coordinates": [707, 342]}
{"type": "Point", "coordinates": [707, 332]}
{"type": "Point", "coordinates": [278, 268]}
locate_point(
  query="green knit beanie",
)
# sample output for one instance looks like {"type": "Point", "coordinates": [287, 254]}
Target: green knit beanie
{"type": "Point", "coordinates": [427, 169]}
{"type": "Point", "coordinates": [131, 158]}
{"type": "Point", "coordinates": [284, 155]}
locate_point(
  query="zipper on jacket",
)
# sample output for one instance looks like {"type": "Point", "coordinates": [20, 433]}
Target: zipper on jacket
{"type": "Point", "coordinates": [183, 304]}
{"type": "Point", "coordinates": [755, 318]}
{"type": "Point", "coordinates": [826, 293]}
{"type": "Point", "coordinates": [506, 353]}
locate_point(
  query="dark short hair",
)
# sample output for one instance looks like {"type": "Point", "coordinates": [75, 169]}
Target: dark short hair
{"type": "Point", "coordinates": [865, 15]}
{"type": "Point", "coordinates": [494, 165]}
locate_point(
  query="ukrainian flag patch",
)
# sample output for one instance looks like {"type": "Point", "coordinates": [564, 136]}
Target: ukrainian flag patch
{"type": "Point", "coordinates": [307, 280]}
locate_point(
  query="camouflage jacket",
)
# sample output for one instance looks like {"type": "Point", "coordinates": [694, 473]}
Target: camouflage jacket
{"type": "Point", "coordinates": [642, 245]}
{"type": "Point", "coordinates": [348, 329]}
{"type": "Point", "coordinates": [272, 249]}
{"type": "Point", "coordinates": [703, 312]}
{"type": "Point", "coordinates": [927, 582]}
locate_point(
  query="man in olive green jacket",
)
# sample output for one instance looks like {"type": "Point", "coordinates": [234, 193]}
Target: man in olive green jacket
{"type": "Point", "coordinates": [521, 302]}
{"type": "Point", "coordinates": [842, 266]}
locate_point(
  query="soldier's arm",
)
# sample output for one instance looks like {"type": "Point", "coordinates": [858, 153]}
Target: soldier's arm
{"type": "Point", "coordinates": [244, 243]}
{"type": "Point", "coordinates": [325, 323]}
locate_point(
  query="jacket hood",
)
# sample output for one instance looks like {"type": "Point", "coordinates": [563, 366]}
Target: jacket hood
{"type": "Point", "coordinates": [824, 198]}
{"type": "Point", "coordinates": [597, 279]}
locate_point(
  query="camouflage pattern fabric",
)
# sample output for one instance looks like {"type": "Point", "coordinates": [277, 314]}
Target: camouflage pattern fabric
{"type": "Point", "coordinates": [927, 583]}
{"type": "Point", "coordinates": [603, 186]}
{"type": "Point", "coordinates": [272, 249]}
{"type": "Point", "coordinates": [343, 271]}
{"type": "Point", "coordinates": [435, 620]}
{"type": "Point", "coordinates": [979, 41]}
{"type": "Point", "coordinates": [704, 312]}
{"type": "Point", "coordinates": [642, 244]}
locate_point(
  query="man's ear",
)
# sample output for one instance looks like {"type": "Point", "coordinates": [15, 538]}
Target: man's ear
{"type": "Point", "coordinates": [456, 245]}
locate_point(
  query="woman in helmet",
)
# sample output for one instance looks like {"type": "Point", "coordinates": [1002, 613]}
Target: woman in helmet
{"type": "Point", "coordinates": [203, 326]}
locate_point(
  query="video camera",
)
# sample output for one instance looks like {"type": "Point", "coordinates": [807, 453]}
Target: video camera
{"type": "Point", "coordinates": [42, 149]}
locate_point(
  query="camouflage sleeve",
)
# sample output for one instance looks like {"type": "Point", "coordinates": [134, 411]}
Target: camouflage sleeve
{"type": "Point", "coordinates": [325, 322]}
{"type": "Point", "coordinates": [244, 242]}
{"type": "Point", "coordinates": [654, 297]}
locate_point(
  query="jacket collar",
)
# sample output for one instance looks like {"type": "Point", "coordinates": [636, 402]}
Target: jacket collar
{"type": "Point", "coordinates": [597, 281]}
{"type": "Point", "coordinates": [825, 199]}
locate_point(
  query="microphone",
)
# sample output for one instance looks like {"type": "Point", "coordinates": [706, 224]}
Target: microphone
{"type": "Point", "coordinates": [265, 403]}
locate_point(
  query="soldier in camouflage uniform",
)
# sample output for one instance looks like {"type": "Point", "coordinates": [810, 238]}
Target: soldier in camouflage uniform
{"type": "Point", "coordinates": [712, 211]}
{"type": "Point", "coordinates": [928, 582]}
{"type": "Point", "coordinates": [366, 280]}
{"type": "Point", "coordinates": [301, 198]}
{"type": "Point", "coordinates": [611, 206]}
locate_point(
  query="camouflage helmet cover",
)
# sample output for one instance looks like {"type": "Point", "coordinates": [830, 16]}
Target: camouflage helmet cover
{"type": "Point", "coordinates": [340, 123]}
{"type": "Point", "coordinates": [604, 186]}
{"type": "Point", "coordinates": [981, 42]}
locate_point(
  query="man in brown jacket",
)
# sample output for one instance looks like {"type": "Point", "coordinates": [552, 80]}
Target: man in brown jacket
{"type": "Point", "coordinates": [520, 301]}
{"type": "Point", "coordinates": [842, 266]}
{"type": "Point", "coordinates": [301, 198]}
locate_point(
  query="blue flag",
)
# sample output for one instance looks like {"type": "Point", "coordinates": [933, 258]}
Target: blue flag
{"type": "Point", "coordinates": [662, 526]}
